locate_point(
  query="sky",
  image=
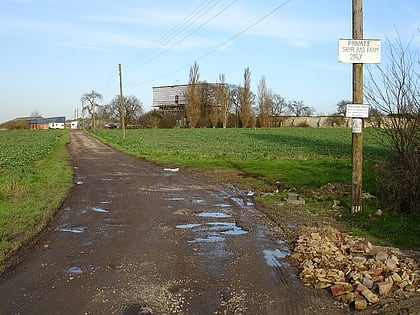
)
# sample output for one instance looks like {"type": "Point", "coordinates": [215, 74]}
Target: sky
{"type": "Point", "coordinates": [54, 51]}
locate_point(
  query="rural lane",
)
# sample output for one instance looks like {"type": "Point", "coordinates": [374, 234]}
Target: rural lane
{"type": "Point", "coordinates": [135, 238]}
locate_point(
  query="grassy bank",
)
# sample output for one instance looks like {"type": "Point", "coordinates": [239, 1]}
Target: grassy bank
{"type": "Point", "coordinates": [305, 159]}
{"type": "Point", "coordinates": [35, 178]}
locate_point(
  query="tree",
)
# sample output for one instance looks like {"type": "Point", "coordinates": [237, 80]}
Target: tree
{"type": "Point", "coordinates": [341, 107]}
{"type": "Point", "coordinates": [393, 89]}
{"type": "Point", "coordinates": [89, 103]}
{"type": "Point", "coordinates": [265, 103]}
{"type": "Point", "coordinates": [193, 96]}
{"type": "Point", "coordinates": [223, 97]}
{"type": "Point", "coordinates": [246, 100]}
{"type": "Point", "coordinates": [133, 109]}
{"type": "Point", "coordinates": [279, 105]}
{"type": "Point", "coordinates": [299, 109]}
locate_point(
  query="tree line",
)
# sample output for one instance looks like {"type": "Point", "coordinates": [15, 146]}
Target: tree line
{"type": "Point", "coordinates": [217, 104]}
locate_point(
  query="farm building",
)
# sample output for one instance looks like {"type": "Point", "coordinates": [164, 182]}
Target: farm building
{"type": "Point", "coordinates": [40, 123]}
{"type": "Point", "coordinates": [170, 99]}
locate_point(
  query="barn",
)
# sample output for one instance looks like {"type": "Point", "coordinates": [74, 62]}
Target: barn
{"type": "Point", "coordinates": [170, 99]}
{"type": "Point", "coordinates": [40, 123]}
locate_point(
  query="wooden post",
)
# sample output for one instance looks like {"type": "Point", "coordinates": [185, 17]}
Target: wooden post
{"type": "Point", "coordinates": [122, 108]}
{"type": "Point", "coordinates": [357, 123]}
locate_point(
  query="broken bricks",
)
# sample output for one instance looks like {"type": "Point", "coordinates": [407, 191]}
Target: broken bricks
{"type": "Point", "coordinates": [354, 271]}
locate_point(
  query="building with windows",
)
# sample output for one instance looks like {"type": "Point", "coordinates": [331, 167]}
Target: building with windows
{"type": "Point", "coordinates": [40, 123]}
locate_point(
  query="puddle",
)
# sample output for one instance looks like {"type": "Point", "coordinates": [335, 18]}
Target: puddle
{"type": "Point", "coordinates": [222, 205]}
{"type": "Point", "coordinates": [291, 225]}
{"type": "Point", "coordinates": [210, 239]}
{"type": "Point", "coordinates": [171, 169]}
{"type": "Point", "coordinates": [97, 209]}
{"type": "Point", "coordinates": [71, 230]}
{"type": "Point", "coordinates": [236, 230]}
{"type": "Point", "coordinates": [213, 215]}
{"type": "Point", "coordinates": [106, 202]}
{"type": "Point", "coordinates": [188, 226]}
{"type": "Point", "coordinates": [272, 257]}
{"type": "Point", "coordinates": [75, 270]}
{"type": "Point", "coordinates": [107, 179]}
{"type": "Point", "coordinates": [79, 182]}
{"type": "Point", "coordinates": [175, 199]}
{"type": "Point", "coordinates": [239, 201]}
{"type": "Point", "coordinates": [250, 193]}
{"type": "Point", "coordinates": [197, 201]}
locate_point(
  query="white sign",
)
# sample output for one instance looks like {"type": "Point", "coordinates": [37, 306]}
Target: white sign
{"type": "Point", "coordinates": [359, 50]}
{"type": "Point", "coordinates": [357, 111]}
{"type": "Point", "coordinates": [357, 125]}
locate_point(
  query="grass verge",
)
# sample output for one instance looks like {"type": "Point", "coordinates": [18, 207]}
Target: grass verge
{"type": "Point", "coordinates": [30, 197]}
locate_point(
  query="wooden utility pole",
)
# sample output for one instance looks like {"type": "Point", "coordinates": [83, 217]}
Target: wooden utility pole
{"type": "Point", "coordinates": [357, 123]}
{"type": "Point", "coordinates": [122, 108]}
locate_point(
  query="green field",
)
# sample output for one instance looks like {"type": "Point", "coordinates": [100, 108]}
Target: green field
{"type": "Point", "coordinates": [35, 177]}
{"type": "Point", "coordinates": [310, 157]}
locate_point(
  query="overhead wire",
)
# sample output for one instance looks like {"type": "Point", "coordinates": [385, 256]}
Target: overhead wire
{"type": "Point", "coordinates": [169, 36]}
{"type": "Point", "coordinates": [219, 46]}
{"type": "Point", "coordinates": [195, 30]}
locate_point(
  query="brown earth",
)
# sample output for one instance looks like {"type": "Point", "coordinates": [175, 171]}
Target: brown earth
{"type": "Point", "coordinates": [136, 238]}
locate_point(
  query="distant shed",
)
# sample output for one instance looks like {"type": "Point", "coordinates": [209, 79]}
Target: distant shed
{"type": "Point", "coordinates": [41, 123]}
{"type": "Point", "coordinates": [170, 99]}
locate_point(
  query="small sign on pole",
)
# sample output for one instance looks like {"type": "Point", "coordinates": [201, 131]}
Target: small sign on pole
{"type": "Point", "coordinates": [357, 111]}
{"type": "Point", "coordinates": [359, 50]}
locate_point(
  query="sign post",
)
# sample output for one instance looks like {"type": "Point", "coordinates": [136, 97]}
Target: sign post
{"type": "Point", "coordinates": [358, 51]}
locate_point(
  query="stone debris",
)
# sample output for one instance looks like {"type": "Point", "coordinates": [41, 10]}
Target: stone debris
{"type": "Point", "coordinates": [353, 270]}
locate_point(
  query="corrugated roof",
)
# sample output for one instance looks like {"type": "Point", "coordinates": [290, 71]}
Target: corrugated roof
{"type": "Point", "coordinates": [48, 120]}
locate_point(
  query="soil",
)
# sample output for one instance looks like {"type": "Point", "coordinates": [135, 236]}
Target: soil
{"type": "Point", "coordinates": [134, 237]}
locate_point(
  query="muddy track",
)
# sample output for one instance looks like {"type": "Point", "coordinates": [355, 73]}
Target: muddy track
{"type": "Point", "coordinates": [136, 238]}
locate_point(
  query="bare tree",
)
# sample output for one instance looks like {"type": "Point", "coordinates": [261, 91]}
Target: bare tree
{"type": "Point", "coordinates": [341, 107]}
{"type": "Point", "coordinates": [133, 109]}
{"type": "Point", "coordinates": [193, 96]}
{"type": "Point", "coordinates": [279, 105]}
{"type": "Point", "coordinates": [223, 99]}
{"type": "Point", "coordinates": [265, 103]}
{"type": "Point", "coordinates": [393, 89]}
{"type": "Point", "coordinates": [89, 103]}
{"type": "Point", "coordinates": [298, 108]}
{"type": "Point", "coordinates": [246, 100]}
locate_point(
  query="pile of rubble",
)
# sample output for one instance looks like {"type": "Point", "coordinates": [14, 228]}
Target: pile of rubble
{"type": "Point", "coordinates": [354, 271]}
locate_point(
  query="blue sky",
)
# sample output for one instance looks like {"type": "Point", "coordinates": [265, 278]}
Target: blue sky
{"type": "Point", "coordinates": [53, 51]}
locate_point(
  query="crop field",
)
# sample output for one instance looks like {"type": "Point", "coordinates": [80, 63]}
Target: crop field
{"type": "Point", "coordinates": [294, 156]}
{"type": "Point", "coordinates": [35, 176]}
{"type": "Point", "coordinates": [19, 149]}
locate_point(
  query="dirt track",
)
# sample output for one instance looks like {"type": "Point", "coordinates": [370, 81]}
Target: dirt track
{"type": "Point", "coordinates": [136, 238]}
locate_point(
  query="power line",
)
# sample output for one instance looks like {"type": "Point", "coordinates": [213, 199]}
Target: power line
{"type": "Point", "coordinates": [190, 19]}
{"type": "Point", "coordinates": [220, 46]}
{"type": "Point", "coordinates": [195, 30]}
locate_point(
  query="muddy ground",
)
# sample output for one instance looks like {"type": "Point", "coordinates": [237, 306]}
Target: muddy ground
{"type": "Point", "coordinates": [134, 237]}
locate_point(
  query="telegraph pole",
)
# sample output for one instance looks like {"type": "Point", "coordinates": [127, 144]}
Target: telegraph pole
{"type": "Point", "coordinates": [357, 123]}
{"type": "Point", "coordinates": [122, 108]}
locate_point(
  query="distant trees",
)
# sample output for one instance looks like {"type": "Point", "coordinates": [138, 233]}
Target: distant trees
{"type": "Point", "coordinates": [89, 104]}
{"type": "Point", "coordinates": [223, 99]}
{"type": "Point", "coordinates": [341, 107]}
{"type": "Point", "coordinates": [265, 103]}
{"type": "Point", "coordinates": [298, 109]}
{"type": "Point", "coordinates": [133, 109]}
{"type": "Point", "coordinates": [245, 100]}
{"type": "Point", "coordinates": [213, 104]}
{"type": "Point", "coordinates": [193, 96]}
